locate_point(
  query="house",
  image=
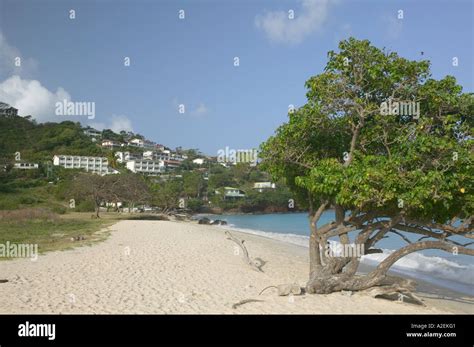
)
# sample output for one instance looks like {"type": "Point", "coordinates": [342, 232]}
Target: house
{"type": "Point", "coordinates": [198, 161]}
{"type": "Point", "coordinates": [25, 166]}
{"type": "Point", "coordinates": [141, 143]}
{"type": "Point", "coordinates": [7, 110]}
{"type": "Point", "coordinates": [91, 132]}
{"type": "Point", "coordinates": [151, 167]}
{"type": "Point", "coordinates": [110, 144]}
{"type": "Point", "coordinates": [233, 193]}
{"type": "Point", "coordinates": [261, 186]}
{"type": "Point", "coordinates": [136, 143]}
{"type": "Point", "coordinates": [178, 157]}
{"type": "Point", "coordinates": [98, 165]}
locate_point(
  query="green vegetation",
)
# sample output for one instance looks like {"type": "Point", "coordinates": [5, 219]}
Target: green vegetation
{"type": "Point", "coordinates": [405, 173]}
{"type": "Point", "coordinates": [48, 230]}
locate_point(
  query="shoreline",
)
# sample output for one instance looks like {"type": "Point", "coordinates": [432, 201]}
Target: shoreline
{"type": "Point", "coordinates": [459, 287]}
{"type": "Point", "coordinates": [177, 267]}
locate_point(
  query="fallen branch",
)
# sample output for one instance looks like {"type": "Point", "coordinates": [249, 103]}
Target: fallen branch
{"type": "Point", "coordinates": [256, 263]}
{"type": "Point", "coordinates": [285, 289]}
{"type": "Point", "coordinates": [242, 302]}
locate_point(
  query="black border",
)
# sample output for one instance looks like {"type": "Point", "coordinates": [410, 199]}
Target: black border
{"type": "Point", "coordinates": [239, 329]}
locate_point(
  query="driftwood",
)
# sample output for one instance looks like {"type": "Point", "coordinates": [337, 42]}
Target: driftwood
{"type": "Point", "coordinates": [285, 289]}
{"type": "Point", "coordinates": [246, 301]}
{"type": "Point", "coordinates": [3, 281]}
{"type": "Point", "coordinates": [396, 289]}
{"type": "Point", "coordinates": [256, 263]}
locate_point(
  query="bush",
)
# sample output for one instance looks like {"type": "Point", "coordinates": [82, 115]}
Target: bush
{"type": "Point", "coordinates": [58, 209]}
{"type": "Point", "coordinates": [85, 206]}
{"type": "Point", "coordinates": [195, 205]}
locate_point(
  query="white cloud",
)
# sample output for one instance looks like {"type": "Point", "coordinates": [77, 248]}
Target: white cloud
{"type": "Point", "coordinates": [8, 56]}
{"type": "Point", "coordinates": [31, 98]}
{"type": "Point", "coordinates": [280, 28]}
{"type": "Point", "coordinates": [116, 124]}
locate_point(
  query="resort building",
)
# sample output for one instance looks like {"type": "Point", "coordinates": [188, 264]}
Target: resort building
{"type": "Point", "coordinates": [91, 132]}
{"type": "Point", "coordinates": [178, 157]}
{"type": "Point", "coordinates": [141, 143]}
{"type": "Point", "coordinates": [98, 165]}
{"type": "Point", "coordinates": [157, 155]}
{"type": "Point", "coordinates": [110, 144]}
{"type": "Point", "coordinates": [25, 166]}
{"type": "Point", "coordinates": [261, 186]}
{"type": "Point", "coordinates": [7, 110]}
{"type": "Point", "coordinates": [123, 157]}
{"type": "Point", "coordinates": [150, 167]}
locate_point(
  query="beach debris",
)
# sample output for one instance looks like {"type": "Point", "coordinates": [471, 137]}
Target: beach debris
{"type": "Point", "coordinates": [3, 281]}
{"type": "Point", "coordinates": [396, 295]}
{"type": "Point", "coordinates": [285, 289]}
{"type": "Point", "coordinates": [256, 263]}
{"type": "Point", "coordinates": [246, 301]}
{"type": "Point", "coordinates": [396, 288]}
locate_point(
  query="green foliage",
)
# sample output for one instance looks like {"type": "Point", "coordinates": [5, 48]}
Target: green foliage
{"type": "Point", "coordinates": [39, 142]}
{"type": "Point", "coordinates": [398, 161]}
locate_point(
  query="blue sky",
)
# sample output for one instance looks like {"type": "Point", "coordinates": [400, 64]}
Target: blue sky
{"type": "Point", "coordinates": [190, 61]}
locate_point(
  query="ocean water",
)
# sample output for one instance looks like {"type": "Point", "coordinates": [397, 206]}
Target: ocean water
{"type": "Point", "coordinates": [443, 269]}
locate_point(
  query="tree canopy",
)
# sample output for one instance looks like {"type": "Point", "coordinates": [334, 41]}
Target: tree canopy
{"type": "Point", "coordinates": [385, 145]}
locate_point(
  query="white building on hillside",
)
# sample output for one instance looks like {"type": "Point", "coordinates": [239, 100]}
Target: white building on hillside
{"type": "Point", "coordinates": [110, 144]}
{"type": "Point", "coordinates": [151, 167]}
{"type": "Point", "coordinates": [261, 186]}
{"type": "Point", "coordinates": [140, 143]}
{"type": "Point", "coordinates": [92, 132]}
{"type": "Point", "coordinates": [123, 157]}
{"type": "Point", "coordinates": [25, 166]}
{"type": "Point", "coordinates": [198, 161]}
{"type": "Point", "coordinates": [98, 165]}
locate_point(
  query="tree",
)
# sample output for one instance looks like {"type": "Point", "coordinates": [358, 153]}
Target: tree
{"type": "Point", "coordinates": [166, 194]}
{"type": "Point", "coordinates": [403, 173]}
{"type": "Point", "coordinates": [97, 188]}
{"type": "Point", "coordinates": [129, 188]}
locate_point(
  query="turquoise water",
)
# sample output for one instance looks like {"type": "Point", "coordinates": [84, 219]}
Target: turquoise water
{"type": "Point", "coordinates": [441, 268]}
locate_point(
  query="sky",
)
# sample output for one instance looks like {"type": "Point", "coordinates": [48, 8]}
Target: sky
{"type": "Point", "coordinates": [191, 61]}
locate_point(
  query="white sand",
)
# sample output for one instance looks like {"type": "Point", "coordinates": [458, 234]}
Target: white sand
{"type": "Point", "coordinates": [175, 267]}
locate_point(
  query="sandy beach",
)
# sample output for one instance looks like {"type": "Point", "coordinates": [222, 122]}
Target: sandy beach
{"type": "Point", "coordinates": [170, 267]}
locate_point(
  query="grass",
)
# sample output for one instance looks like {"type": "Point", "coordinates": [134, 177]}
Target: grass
{"type": "Point", "coordinates": [52, 232]}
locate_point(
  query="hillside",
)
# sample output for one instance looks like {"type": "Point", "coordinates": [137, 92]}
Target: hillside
{"type": "Point", "coordinates": [37, 142]}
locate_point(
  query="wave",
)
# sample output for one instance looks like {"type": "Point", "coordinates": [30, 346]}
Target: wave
{"type": "Point", "coordinates": [436, 270]}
